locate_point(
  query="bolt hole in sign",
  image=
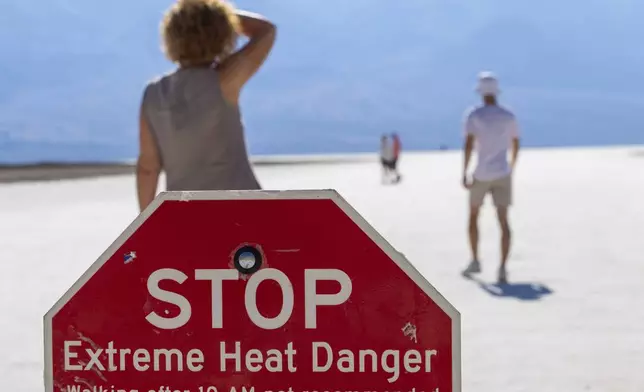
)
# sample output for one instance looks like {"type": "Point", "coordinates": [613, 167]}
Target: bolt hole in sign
{"type": "Point", "coordinates": [252, 291]}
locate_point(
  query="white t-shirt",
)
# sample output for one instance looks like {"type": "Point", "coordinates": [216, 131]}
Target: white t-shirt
{"type": "Point", "coordinates": [493, 128]}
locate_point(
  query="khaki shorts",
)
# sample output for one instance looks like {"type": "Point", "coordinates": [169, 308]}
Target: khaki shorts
{"type": "Point", "coordinates": [501, 190]}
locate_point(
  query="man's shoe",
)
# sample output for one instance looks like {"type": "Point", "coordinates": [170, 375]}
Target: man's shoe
{"type": "Point", "coordinates": [503, 276]}
{"type": "Point", "coordinates": [473, 268]}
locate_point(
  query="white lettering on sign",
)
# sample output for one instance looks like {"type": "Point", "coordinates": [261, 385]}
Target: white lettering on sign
{"type": "Point", "coordinates": [79, 356]}
{"type": "Point", "coordinates": [389, 360]}
{"type": "Point", "coordinates": [122, 359]}
{"type": "Point", "coordinates": [288, 299]}
{"type": "Point", "coordinates": [168, 296]}
{"type": "Point", "coordinates": [216, 277]}
{"type": "Point", "coordinates": [255, 360]}
{"type": "Point", "coordinates": [312, 300]}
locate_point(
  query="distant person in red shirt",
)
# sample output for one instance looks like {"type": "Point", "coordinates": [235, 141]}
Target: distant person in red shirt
{"type": "Point", "coordinates": [386, 157]}
{"type": "Point", "coordinates": [397, 146]}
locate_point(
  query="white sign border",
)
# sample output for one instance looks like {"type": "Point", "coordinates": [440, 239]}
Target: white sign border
{"type": "Point", "coordinates": [329, 194]}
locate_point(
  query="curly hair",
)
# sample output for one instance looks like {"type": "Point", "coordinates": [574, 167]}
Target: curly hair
{"type": "Point", "coordinates": [199, 32]}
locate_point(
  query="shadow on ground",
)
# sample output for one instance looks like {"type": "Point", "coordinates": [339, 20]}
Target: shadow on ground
{"type": "Point", "coordinates": [637, 153]}
{"type": "Point", "coordinates": [524, 291]}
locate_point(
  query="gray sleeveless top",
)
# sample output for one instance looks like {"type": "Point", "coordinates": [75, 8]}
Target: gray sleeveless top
{"type": "Point", "coordinates": [199, 135]}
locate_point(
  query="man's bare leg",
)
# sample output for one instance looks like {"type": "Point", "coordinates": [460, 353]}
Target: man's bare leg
{"type": "Point", "coordinates": [506, 234]}
{"type": "Point", "coordinates": [506, 238]}
{"type": "Point", "coordinates": [473, 231]}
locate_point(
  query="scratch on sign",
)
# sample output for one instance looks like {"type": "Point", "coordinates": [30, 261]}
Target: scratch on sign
{"type": "Point", "coordinates": [129, 257]}
{"type": "Point", "coordinates": [87, 340]}
{"type": "Point", "coordinates": [98, 372]}
{"type": "Point", "coordinates": [83, 381]}
{"type": "Point", "coordinates": [287, 250]}
{"type": "Point", "coordinates": [410, 330]}
{"type": "Point", "coordinates": [96, 347]}
{"type": "Point", "coordinates": [186, 196]}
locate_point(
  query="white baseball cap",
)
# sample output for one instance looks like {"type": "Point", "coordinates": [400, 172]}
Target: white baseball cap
{"type": "Point", "coordinates": [487, 84]}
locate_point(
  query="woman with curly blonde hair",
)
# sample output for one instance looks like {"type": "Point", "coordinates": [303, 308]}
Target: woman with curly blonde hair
{"type": "Point", "coordinates": [190, 123]}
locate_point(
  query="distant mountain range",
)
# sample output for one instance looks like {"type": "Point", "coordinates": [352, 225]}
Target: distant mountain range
{"type": "Point", "coordinates": [342, 73]}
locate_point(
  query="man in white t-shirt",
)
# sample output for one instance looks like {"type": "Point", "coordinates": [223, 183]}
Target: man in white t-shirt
{"type": "Point", "coordinates": [493, 129]}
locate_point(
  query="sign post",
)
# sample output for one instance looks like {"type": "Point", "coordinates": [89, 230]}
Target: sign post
{"type": "Point", "coordinates": [252, 291]}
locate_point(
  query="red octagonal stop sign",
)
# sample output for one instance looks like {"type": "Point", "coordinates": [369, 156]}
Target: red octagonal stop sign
{"type": "Point", "coordinates": [252, 292]}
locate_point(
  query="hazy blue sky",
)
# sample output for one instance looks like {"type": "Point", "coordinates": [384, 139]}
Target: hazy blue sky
{"type": "Point", "coordinates": [342, 72]}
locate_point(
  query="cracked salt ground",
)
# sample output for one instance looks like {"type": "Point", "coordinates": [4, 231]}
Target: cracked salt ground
{"type": "Point", "coordinates": [570, 319]}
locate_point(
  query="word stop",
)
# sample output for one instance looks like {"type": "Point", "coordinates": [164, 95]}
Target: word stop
{"type": "Point", "coordinates": [216, 276]}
